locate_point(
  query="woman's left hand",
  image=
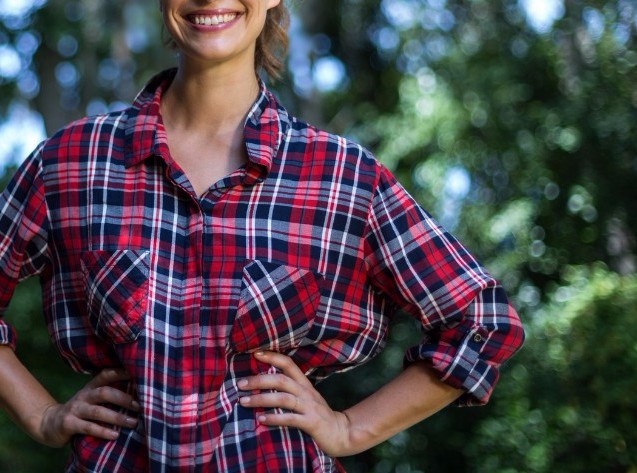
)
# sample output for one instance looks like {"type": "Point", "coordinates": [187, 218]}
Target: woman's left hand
{"type": "Point", "coordinates": [306, 409]}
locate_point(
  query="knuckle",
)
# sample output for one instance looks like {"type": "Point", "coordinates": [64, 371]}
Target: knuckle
{"type": "Point", "coordinates": [109, 372]}
{"type": "Point", "coordinates": [67, 423]}
{"type": "Point", "coordinates": [90, 429]}
{"type": "Point", "coordinates": [94, 412]}
{"type": "Point", "coordinates": [261, 380]}
{"type": "Point", "coordinates": [123, 398]}
{"type": "Point", "coordinates": [102, 393]}
{"type": "Point", "coordinates": [71, 409]}
{"type": "Point", "coordinates": [82, 394]}
{"type": "Point", "coordinates": [102, 374]}
{"type": "Point", "coordinates": [94, 394]}
{"type": "Point", "coordinates": [100, 377]}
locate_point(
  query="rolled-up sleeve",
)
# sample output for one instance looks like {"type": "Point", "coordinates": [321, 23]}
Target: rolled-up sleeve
{"type": "Point", "coordinates": [23, 235]}
{"type": "Point", "coordinates": [469, 326]}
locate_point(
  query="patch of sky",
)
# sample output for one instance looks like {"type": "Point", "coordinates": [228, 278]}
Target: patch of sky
{"type": "Point", "coordinates": [27, 43]}
{"type": "Point", "coordinates": [67, 46]}
{"type": "Point", "coordinates": [328, 74]}
{"type": "Point", "coordinates": [312, 66]}
{"type": "Point", "coordinates": [28, 84]}
{"type": "Point", "coordinates": [456, 188]}
{"type": "Point", "coordinates": [437, 17]}
{"type": "Point", "coordinates": [15, 14]}
{"type": "Point", "coordinates": [139, 27]}
{"type": "Point", "coordinates": [108, 72]}
{"type": "Point", "coordinates": [386, 39]}
{"type": "Point", "coordinates": [10, 62]}
{"type": "Point", "coordinates": [18, 7]}
{"type": "Point", "coordinates": [67, 74]}
{"type": "Point", "coordinates": [542, 14]}
{"type": "Point", "coordinates": [299, 63]}
{"type": "Point", "coordinates": [74, 11]}
{"type": "Point", "coordinates": [594, 21]}
{"type": "Point", "coordinates": [20, 134]}
{"type": "Point", "coordinates": [621, 33]}
{"type": "Point", "coordinates": [402, 14]}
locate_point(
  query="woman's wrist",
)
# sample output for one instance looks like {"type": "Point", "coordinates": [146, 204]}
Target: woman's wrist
{"type": "Point", "coordinates": [379, 417]}
{"type": "Point", "coordinates": [45, 429]}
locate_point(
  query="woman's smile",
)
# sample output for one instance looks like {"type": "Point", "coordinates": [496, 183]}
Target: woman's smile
{"type": "Point", "coordinates": [211, 20]}
{"type": "Point", "coordinates": [216, 33]}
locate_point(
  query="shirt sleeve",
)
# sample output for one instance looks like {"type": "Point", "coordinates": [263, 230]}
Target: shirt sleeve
{"type": "Point", "coordinates": [469, 326]}
{"type": "Point", "coordinates": [23, 235]}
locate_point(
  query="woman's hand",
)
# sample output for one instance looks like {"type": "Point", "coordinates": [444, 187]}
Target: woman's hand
{"type": "Point", "coordinates": [307, 410]}
{"type": "Point", "coordinates": [85, 413]}
{"type": "Point", "coordinates": [413, 395]}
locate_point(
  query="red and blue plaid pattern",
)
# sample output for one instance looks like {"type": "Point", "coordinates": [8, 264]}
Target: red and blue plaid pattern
{"type": "Point", "coordinates": [308, 249]}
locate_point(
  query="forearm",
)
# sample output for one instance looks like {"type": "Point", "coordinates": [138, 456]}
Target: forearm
{"type": "Point", "coordinates": [415, 394]}
{"type": "Point", "coordinates": [94, 410]}
{"type": "Point", "coordinates": [21, 395]}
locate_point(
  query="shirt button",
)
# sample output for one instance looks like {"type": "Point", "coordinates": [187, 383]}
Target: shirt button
{"type": "Point", "coordinates": [478, 338]}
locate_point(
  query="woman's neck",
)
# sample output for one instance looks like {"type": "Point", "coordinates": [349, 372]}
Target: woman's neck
{"type": "Point", "coordinates": [209, 99]}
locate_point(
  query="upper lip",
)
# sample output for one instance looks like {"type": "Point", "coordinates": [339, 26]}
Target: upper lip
{"type": "Point", "coordinates": [217, 11]}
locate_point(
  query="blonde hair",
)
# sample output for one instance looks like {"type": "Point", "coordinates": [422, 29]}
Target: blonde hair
{"type": "Point", "coordinates": [272, 43]}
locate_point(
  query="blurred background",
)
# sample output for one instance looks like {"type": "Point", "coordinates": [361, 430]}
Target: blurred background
{"type": "Point", "coordinates": [513, 122]}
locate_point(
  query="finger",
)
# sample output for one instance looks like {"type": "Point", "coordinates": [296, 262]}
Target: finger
{"type": "Point", "coordinates": [108, 376]}
{"type": "Point", "coordinates": [285, 364]}
{"type": "Point", "coordinates": [98, 390]}
{"type": "Point", "coordinates": [81, 426]}
{"type": "Point", "coordinates": [105, 415]}
{"type": "Point", "coordinates": [273, 400]}
{"type": "Point", "coordinates": [107, 394]}
{"type": "Point", "coordinates": [278, 382]}
{"type": "Point", "coordinates": [282, 419]}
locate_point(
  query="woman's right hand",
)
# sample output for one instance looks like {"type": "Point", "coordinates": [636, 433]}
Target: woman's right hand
{"type": "Point", "coordinates": [85, 413]}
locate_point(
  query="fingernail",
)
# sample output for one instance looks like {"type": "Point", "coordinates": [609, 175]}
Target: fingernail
{"type": "Point", "coordinates": [113, 434]}
{"type": "Point", "coordinates": [245, 400]}
{"type": "Point", "coordinates": [243, 383]}
{"type": "Point", "coordinates": [259, 353]}
{"type": "Point", "coordinates": [262, 419]}
{"type": "Point", "coordinates": [130, 421]}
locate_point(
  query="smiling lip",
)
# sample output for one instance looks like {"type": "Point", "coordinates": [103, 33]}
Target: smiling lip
{"type": "Point", "coordinates": [212, 20]}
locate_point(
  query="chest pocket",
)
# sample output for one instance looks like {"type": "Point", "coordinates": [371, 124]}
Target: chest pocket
{"type": "Point", "coordinates": [276, 308]}
{"type": "Point", "coordinates": [116, 289]}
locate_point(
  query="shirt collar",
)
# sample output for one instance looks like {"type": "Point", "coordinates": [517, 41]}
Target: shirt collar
{"type": "Point", "coordinates": [265, 125]}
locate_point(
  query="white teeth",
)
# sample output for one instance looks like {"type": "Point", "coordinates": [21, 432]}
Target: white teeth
{"type": "Point", "coordinates": [214, 19]}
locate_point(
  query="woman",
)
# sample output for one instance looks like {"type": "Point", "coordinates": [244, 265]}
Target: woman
{"type": "Point", "coordinates": [209, 257]}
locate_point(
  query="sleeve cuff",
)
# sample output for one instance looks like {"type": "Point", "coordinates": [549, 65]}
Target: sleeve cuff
{"type": "Point", "coordinates": [8, 335]}
{"type": "Point", "coordinates": [455, 356]}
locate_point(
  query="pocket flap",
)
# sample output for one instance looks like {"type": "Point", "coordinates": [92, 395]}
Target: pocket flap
{"type": "Point", "coordinates": [276, 308]}
{"type": "Point", "coordinates": [116, 288]}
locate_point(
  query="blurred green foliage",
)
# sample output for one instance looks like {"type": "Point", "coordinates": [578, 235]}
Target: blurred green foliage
{"type": "Point", "coordinates": [568, 401]}
{"type": "Point", "coordinates": [519, 136]}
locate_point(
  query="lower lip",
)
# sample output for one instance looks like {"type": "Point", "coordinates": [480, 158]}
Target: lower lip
{"type": "Point", "coordinates": [208, 28]}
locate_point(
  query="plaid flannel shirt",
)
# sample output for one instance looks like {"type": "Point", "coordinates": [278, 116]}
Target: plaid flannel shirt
{"type": "Point", "coordinates": [308, 249]}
